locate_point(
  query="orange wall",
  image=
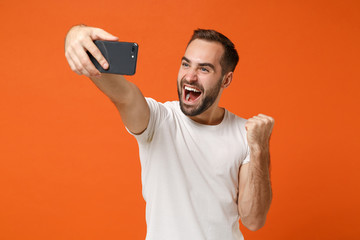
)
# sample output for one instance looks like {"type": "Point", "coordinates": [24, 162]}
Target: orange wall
{"type": "Point", "coordinates": [69, 170]}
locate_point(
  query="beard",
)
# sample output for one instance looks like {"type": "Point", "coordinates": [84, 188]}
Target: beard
{"type": "Point", "coordinates": [207, 100]}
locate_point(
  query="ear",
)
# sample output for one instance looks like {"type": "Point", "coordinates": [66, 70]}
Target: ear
{"type": "Point", "coordinates": [227, 79]}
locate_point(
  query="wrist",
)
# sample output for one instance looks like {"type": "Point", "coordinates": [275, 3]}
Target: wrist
{"type": "Point", "coordinates": [260, 156]}
{"type": "Point", "coordinates": [259, 148]}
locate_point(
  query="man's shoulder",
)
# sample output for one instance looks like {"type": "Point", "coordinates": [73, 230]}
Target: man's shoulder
{"type": "Point", "coordinates": [234, 118]}
{"type": "Point", "coordinates": [235, 126]}
{"type": "Point", "coordinates": [170, 105]}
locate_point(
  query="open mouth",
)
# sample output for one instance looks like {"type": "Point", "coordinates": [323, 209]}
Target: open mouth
{"type": "Point", "coordinates": [191, 94]}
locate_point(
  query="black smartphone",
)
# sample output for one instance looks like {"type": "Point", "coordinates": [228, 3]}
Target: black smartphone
{"type": "Point", "coordinates": [121, 56]}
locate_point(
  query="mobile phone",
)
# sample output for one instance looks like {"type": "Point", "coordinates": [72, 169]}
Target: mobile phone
{"type": "Point", "coordinates": [121, 56]}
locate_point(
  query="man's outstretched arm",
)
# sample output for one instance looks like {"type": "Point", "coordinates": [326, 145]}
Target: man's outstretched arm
{"type": "Point", "coordinates": [255, 192]}
{"type": "Point", "coordinates": [125, 95]}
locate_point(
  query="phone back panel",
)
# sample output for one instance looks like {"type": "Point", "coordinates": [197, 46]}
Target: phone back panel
{"type": "Point", "coordinates": [121, 56]}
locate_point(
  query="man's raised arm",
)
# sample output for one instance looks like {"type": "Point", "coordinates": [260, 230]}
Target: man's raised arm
{"type": "Point", "coordinates": [125, 95]}
{"type": "Point", "coordinates": [255, 192]}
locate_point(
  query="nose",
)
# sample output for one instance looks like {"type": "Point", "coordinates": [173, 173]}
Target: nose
{"type": "Point", "coordinates": [191, 75]}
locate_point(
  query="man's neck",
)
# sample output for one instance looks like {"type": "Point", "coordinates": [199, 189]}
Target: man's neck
{"type": "Point", "coordinates": [210, 116]}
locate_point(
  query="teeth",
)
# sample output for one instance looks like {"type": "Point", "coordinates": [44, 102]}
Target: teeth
{"type": "Point", "coordinates": [191, 89]}
{"type": "Point", "coordinates": [187, 96]}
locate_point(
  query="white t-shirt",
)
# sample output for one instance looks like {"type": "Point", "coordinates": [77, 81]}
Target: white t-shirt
{"type": "Point", "coordinates": [189, 174]}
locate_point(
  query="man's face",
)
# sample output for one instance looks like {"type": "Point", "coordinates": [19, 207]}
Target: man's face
{"type": "Point", "coordinates": [200, 78]}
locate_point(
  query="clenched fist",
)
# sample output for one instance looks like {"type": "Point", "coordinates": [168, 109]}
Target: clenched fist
{"type": "Point", "coordinates": [259, 130]}
{"type": "Point", "coordinates": [79, 40]}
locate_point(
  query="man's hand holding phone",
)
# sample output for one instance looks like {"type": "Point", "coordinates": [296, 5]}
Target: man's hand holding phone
{"type": "Point", "coordinates": [78, 41]}
{"type": "Point", "coordinates": [127, 97]}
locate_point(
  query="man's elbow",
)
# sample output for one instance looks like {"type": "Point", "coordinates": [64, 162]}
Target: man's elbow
{"type": "Point", "coordinates": [255, 224]}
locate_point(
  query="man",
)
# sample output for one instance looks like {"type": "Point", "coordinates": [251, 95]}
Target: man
{"type": "Point", "coordinates": [203, 167]}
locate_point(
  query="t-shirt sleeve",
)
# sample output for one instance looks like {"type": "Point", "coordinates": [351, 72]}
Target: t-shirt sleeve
{"type": "Point", "coordinates": [158, 113]}
{"type": "Point", "coordinates": [244, 132]}
{"type": "Point", "coordinates": [247, 158]}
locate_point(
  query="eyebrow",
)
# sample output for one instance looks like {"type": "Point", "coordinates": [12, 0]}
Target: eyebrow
{"type": "Point", "coordinates": [200, 64]}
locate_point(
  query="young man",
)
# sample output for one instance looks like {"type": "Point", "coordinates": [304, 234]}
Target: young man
{"type": "Point", "coordinates": [203, 167]}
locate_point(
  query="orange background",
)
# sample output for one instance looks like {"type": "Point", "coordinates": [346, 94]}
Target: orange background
{"type": "Point", "coordinates": [69, 170]}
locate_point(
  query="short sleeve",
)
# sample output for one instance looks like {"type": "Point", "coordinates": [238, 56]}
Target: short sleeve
{"type": "Point", "coordinates": [244, 135]}
{"type": "Point", "coordinates": [247, 158]}
{"type": "Point", "coordinates": [158, 113]}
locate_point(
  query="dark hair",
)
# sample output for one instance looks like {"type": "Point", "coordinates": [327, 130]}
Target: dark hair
{"type": "Point", "coordinates": [230, 57]}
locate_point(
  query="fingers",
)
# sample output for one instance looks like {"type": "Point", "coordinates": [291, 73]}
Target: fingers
{"type": "Point", "coordinates": [72, 64]}
{"type": "Point", "coordinates": [99, 34]}
{"type": "Point", "coordinates": [259, 129]}
{"type": "Point", "coordinates": [80, 62]}
{"type": "Point", "coordinates": [262, 117]}
{"type": "Point", "coordinates": [95, 52]}
{"type": "Point", "coordinates": [83, 65]}
{"type": "Point", "coordinates": [260, 120]}
{"type": "Point", "coordinates": [79, 40]}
